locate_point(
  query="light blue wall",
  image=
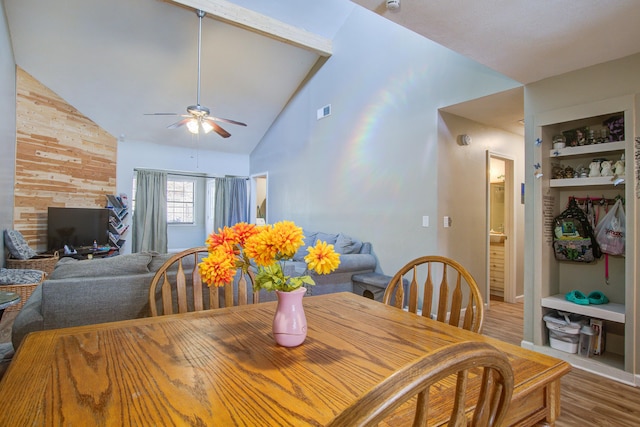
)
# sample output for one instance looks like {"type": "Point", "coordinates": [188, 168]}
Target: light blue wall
{"type": "Point", "coordinates": [7, 127]}
{"type": "Point", "coordinates": [190, 158]}
{"type": "Point", "coordinates": [370, 169]}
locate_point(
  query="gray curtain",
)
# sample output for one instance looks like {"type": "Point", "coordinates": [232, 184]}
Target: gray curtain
{"type": "Point", "coordinates": [232, 202]}
{"type": "Point", "coordinates": [150, 216]}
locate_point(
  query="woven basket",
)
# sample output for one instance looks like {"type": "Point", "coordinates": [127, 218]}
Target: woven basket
{"type": "Point", "coordinates": [44, 263]}
{"type": "Point", "coordinates": [24, 291]}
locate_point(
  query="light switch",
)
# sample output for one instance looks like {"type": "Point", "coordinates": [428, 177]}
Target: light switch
{"type": "Point", "coordinates": [446, 221]}
{"type": "Point", "coordinates": [425, 221]}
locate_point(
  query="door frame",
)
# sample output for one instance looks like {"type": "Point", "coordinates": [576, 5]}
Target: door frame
{"type": "Point", "coordinates": [509, 225]}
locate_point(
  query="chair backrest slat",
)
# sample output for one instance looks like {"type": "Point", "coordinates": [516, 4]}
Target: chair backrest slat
{"type": "Point", "coordinates": [427, 295]}
{"type": "Point", "coordinates": [413, 294]}
{"type": "Point", "coordinates": [443, 301]}
{"type": "Point", "coordinates": [181, 288]}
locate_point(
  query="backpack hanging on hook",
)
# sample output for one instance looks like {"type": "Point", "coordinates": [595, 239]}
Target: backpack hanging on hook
{"type": "Point", "coordinates": [573, 236]}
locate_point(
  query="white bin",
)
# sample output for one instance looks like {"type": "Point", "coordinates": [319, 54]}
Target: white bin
{"type": "Point", "coordinates": [564, 334]}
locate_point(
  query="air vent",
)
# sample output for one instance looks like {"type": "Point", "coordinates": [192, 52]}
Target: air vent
{"type": "Point", "coordinates": [324, 111]}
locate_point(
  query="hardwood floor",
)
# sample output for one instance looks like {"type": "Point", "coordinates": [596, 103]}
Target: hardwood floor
{"type": "Point", "coordinates": [587, 399]}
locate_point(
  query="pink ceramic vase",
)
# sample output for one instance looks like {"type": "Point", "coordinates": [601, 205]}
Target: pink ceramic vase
{"type": "Point", "coordinates": [289, 322]}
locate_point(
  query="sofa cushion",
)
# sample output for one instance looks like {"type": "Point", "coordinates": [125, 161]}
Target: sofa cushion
{"type": "Point", "coordinates": [347, 245]}
{"type": "Point", "coordinates": [18, 247]}
{"type": "Point", "coordinates": [120, 265]}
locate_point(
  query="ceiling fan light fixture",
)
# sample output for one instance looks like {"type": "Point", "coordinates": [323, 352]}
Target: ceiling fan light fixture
{"type": "Point", "coordinates": [206, 126]}
{"type": "Point", "coordinates": [193, 127]}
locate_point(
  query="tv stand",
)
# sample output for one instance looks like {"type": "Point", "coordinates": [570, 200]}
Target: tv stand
{"type": "Point", "coordinates": [87, 252]}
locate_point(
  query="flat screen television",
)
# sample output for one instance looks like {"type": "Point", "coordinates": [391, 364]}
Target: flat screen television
{"type": "Point", "coordinates": [77, 227]}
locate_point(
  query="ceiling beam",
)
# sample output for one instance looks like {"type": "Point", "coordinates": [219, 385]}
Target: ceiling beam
{"type": "Point", "coordinates": [250, 20]}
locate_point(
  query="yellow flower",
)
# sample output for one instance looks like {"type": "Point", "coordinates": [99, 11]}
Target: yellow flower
{"type": "Point", "coordinates": [218, 268]}
{"type": "Point", "coordinates": [322, 258]}
{"type": "Point", "coordinates": [287, 238]}
{"type": "Point", "coordinates": [261, 249]}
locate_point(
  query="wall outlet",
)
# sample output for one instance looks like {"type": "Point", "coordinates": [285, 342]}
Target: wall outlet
{"type": "Point", "coordinates": [425, 221]}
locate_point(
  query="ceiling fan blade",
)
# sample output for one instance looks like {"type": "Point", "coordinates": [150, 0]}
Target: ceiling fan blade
{"type": "Point", "coordinates": [178, 124]}
{"type": "Point", "coordinates": [220, 119]}
{"type": "Point", "coordinates": [161, 114]}
{"type": "Point", "coordinates": [223, 133]}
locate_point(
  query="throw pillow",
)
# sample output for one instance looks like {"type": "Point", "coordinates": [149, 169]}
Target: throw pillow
{"type": "Point", "coordinates": [329, 238]}
{"type": "Point", "coordinates": [12, 276]}
{"type": "Point", "coordinates": [309, 241]}
{"type": "Point", "coordinates": [18, 247]}
{"type": "Point", "coordinates": [347, 245]}
{"type": "Point", "coordinates": [119, 265]}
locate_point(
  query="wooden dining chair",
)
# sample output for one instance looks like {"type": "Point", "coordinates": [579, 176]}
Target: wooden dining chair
{"type": "Point", "coordinates": [471, 404]}
{"type": "Point", "coordinates": [459, 303]}
{"type": "Point", "coordinates": [177, 286]}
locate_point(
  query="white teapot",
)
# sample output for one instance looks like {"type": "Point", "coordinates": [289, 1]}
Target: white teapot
{"type": "Point", "coordinates": [618, 167]}
{"type": "Point", "coordinates": [594, 169]}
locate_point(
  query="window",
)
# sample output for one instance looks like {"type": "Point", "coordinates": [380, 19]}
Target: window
{"type": "Point", "coordinates": [180, 200]}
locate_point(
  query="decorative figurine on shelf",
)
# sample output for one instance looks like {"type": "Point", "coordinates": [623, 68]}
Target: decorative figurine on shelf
{"type": "Point", "coordinates": [569, 172]}
{"type": "Point", "coordinates": [606, 168]}
{"type": "Point", "coordinates": [582, 172]}
{"type": "Point", "coordinates": [594, 169]}
{"type": "Point", "coordinates": [618, 167]}
{"type": "Point", "coordinates": [557, 172]}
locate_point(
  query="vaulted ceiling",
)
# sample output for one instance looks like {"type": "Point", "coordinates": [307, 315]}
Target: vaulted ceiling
{"type": "Point", "coordinates": [117, 60]}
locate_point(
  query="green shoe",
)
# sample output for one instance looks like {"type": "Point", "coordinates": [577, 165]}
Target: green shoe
{"type": "Point", "coordinates": [577, 297]}
{"type": "Point", "coordinates": [597, 297]}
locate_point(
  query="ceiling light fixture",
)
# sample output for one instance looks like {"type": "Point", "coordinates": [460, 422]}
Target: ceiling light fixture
{"type": "Point", "coordinates": [194, 126]}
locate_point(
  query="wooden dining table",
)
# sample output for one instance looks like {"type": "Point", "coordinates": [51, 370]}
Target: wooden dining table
{"type": "Point", "coordinates": [222, 367]}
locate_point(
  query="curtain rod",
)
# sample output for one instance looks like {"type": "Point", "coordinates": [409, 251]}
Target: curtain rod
{"type": "Point", "coordinates": [190, 174]}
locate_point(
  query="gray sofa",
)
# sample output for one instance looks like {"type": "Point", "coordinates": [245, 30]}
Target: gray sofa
{"type": "Point", "coordinates": [111, 289]}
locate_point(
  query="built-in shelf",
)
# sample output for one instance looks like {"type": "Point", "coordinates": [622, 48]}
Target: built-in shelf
{"type": "Point", "coordinates": [584, 182]}
{"type": "Point", "coordinates": [613, 312]}
{"type": "Point", "coordinates": [588, 149]}
{"type": "Point", "coordinates": [609, 365]}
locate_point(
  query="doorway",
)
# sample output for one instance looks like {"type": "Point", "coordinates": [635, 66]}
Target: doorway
{"type": "Point", "coordinates": [500, 228]}
{"type": "Point", "coordinates": [259, 198]}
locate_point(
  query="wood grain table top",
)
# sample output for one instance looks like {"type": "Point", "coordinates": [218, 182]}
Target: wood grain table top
{"type": "Point", "coordinates": [222, 367]}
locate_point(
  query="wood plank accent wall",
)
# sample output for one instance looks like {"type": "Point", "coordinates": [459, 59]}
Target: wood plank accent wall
{"type": "Point", "coordinates": [63, 159]}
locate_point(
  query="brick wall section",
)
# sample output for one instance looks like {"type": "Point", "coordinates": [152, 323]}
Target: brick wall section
{"type": "Point", "coordinates": [63, 159]}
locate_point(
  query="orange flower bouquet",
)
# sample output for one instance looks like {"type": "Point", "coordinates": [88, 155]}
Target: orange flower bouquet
{"type": "Point", "coordinates": [269, 247]}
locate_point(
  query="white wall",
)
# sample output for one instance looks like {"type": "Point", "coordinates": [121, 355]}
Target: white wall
{"type": "Point", "coordinates": [7, 127]}
{"type": "Point", "coordinates": [370, 169]}
{"type": "Point", "coordinates": [144, 155]}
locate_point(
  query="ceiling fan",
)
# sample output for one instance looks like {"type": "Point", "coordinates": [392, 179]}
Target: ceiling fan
{"type": "Point", "coordinates": [199, 118]}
